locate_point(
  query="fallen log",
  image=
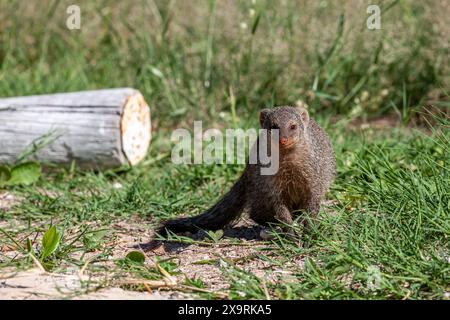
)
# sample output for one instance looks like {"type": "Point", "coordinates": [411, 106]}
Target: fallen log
{"type": "Point", "coordinates": [96, 129]}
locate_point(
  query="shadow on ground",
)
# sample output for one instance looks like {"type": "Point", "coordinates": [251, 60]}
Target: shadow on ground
{"type": "Point", "coordinates": [241, 232]}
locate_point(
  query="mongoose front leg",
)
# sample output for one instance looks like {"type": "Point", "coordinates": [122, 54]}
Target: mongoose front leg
{"type": "Point", "coordinates": [284, 215]}
{"type": "Point", "coordinates": [313, 207]}
{"type": "Point", "coordinates": [312, 210]}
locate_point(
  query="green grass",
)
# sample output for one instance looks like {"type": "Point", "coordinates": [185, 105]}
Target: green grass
{"type": "Point", "coordinates": [386, 234]}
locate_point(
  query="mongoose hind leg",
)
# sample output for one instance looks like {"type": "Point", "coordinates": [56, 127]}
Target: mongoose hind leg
{"type": "Point", "coordinates": [262, 217]}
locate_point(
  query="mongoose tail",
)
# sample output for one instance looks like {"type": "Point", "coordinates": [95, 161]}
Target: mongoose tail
{"type": "Point", "coordinates": [218, 216]}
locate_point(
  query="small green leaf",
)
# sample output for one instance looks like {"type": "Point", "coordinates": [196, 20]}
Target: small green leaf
{"type": "Point", "coordinates": [136, 256]}
{"type": "Point", "coordinates": [50, 242]}
{"type": "Point", "coordinates": [215, 235]}
{"type": "Point", "coordinates": [5, 175]}
{"type": "Point", "coordinates": [25, 173]}
{"type": "Point", "coordinates": [168, 264]}
{"type": "Point", "coordinates": [93, 239]}
{"type": "Point", "coordinates": [194, 282]}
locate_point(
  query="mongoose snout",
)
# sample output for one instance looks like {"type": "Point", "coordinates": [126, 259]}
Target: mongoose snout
{"type": "Point", "coordinates": [290, 127]}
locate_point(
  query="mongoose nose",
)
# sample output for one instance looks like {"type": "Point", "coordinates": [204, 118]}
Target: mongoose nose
{"type": "Point", "coordinates": [283, 140]}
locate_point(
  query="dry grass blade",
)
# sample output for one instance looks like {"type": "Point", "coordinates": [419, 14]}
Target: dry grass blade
{"type": "Point", "coordinates": [152, 284]}
{"type": "Point", "coordinates": [38, 263]}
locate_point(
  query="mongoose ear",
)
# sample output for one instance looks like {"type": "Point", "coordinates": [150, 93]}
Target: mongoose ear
{"type": "Point", "coordinates": [262, 116]}
{"type": "Point", "coordinates": [303, 114]}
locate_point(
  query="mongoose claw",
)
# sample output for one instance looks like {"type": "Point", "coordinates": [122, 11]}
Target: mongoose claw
{"type": "Point", "coordinates": [267, 234]}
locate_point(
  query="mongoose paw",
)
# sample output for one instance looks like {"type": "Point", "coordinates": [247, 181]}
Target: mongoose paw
{"type": "Point", "coordinates": [269, 233]}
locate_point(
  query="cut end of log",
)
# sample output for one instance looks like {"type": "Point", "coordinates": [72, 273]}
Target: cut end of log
{"type": "Point", "coordinates": [136, 128]}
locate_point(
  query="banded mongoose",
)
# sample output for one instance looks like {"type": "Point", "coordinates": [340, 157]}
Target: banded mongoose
{"type": "Point", "coordinates": [306, 171]}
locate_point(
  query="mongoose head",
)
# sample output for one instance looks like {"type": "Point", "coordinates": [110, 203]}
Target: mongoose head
{"type": "Point", "coordinates": [292, 123]}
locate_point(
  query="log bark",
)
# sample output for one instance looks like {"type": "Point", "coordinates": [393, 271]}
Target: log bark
{"type": "Point", "coordinates": [96, 129]}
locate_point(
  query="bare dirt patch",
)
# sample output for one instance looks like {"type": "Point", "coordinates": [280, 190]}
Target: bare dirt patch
{"type": "Point", "coordinates": [209, 262]}
{"type": "Point", "coordinates": [8, 200]}
{"type": "Point", "coordinates": [35, 284]}
{"type": "Point", "coordinates": [204, 260]}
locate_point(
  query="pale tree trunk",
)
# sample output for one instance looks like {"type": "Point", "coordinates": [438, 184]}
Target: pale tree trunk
{"type": "Point", "coordinates": [96, 129]}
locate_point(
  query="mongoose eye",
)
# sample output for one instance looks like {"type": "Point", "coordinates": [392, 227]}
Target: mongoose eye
{"type": "Point", "coordinates": [293, 127]}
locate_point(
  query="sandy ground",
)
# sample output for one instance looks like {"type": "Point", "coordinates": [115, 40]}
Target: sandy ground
{"type": "Point", "coordinates": [191, 258]}
{"type": "Point", "coordinates": [36, 284]}
{"type": "Point", "coordinates": [7, 200]}
{"type": "Point", "coordinates": [136, 235]}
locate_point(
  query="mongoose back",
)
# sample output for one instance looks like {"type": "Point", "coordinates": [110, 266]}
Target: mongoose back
{"type": "Point", "coordinates": [306, 171]}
